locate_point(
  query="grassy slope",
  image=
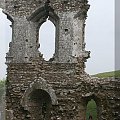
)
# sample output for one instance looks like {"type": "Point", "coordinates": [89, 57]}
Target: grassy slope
{"type": "Point", "coordinates": [115, 74]}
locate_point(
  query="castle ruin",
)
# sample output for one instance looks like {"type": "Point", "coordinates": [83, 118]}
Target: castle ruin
{"type": "Point", "coordinates": [58, 89]}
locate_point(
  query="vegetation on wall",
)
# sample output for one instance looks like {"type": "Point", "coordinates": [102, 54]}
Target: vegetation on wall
{"type": "Point", "coordinates": [2, 88]}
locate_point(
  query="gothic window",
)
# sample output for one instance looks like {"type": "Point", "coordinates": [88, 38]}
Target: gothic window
{"type": "Point", "coordinates": [47, 39]}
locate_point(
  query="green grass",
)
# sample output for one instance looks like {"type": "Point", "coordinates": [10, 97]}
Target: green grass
{"type": "Point", "coordinates": [115, 74]}
{"type": "Point", "coordinates": [91, 110]}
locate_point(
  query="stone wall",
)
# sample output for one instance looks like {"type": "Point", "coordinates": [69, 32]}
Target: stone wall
{"type": "Point", "coordinates": [69, 87]}
{"type": "Point", "coordinates": [58, 89]}
{"type": "Point", "coordinates": [2, 4]}
{"type": "Point", "coordinates": [27, 17]}
{"type": "Point", "coordinates": [2, 107]}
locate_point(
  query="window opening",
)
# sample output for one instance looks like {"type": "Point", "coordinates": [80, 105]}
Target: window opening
{"type": "Point", "coordinates": [5, 39]}
{"type": "Point", "coordinates": [47, 39]}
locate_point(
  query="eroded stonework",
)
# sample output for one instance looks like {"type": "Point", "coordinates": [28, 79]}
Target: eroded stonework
{"type": "Point", "coordinates": [58, 89]}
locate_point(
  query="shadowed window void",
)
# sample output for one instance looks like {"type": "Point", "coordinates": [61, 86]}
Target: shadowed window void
{"type": "Point", "coordinates": [47, 39]}
{"type": "Point", "coordinates": [40, 105]}
{"type": "Point", "coordinates": [91, 113]}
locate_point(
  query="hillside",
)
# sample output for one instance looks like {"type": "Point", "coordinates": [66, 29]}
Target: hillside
{"type": "Point", "coordinates": [115, 74]}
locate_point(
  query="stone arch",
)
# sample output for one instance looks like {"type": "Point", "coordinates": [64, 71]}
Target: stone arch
{"type": "Point", "coordinates": [40, 16]}
{"type": "Point", "coordinates": [87, 97]}
{"type": "Point", "coordinates": [97, 98]}
{"type": "Point", "coordinates": [39, 84]}
{"type": "Point", "coordinates": [39, 105]}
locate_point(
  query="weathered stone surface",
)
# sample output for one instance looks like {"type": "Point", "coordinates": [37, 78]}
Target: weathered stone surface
{"type": "Point", "coordinates": [2, 4]}
{"type": "Point", "coordinates": [2, 107]}
{"type": "Point", "coordinates": [73, 90]}
{"type": "Point", "coordinates": [58, 89]}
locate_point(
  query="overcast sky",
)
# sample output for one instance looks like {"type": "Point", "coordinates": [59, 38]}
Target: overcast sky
{"type": "Point", "coordinates": [5, 38]}
{"type": "Point", "coordinates": [99, 37]}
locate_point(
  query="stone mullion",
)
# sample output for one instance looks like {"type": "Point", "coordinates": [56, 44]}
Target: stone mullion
{"type": "Point", "coordinates": [65, 38]}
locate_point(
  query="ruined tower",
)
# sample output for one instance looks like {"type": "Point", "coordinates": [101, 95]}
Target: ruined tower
{"type": "Point", "coordinates": [58, 89]}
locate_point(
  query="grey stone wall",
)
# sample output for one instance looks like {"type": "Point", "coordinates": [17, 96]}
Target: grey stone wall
{"type": "Point", "coordinates": [2, 4]}
{"type": "Point", "coordinates": [69, 20]}
{"type": "Point", "coordinates": [58, 89]}
{"type": "Point", "coordinates": [2, 107]}
{"type": "Point", "coordinates": [69, 87]}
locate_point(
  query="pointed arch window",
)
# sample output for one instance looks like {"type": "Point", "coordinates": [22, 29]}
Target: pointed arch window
{"type": "Point", "coordinates": [47, 39]}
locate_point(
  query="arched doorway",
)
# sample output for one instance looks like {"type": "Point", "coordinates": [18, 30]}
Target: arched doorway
{"type": "Point", "coordinates": [91, 112]}
{"type": "Point", "coordinates": [38, 100]}
{"type": "Point", "coordinates": [47, 39]}
{"type": "Point", "coordinates": [39, 105]}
